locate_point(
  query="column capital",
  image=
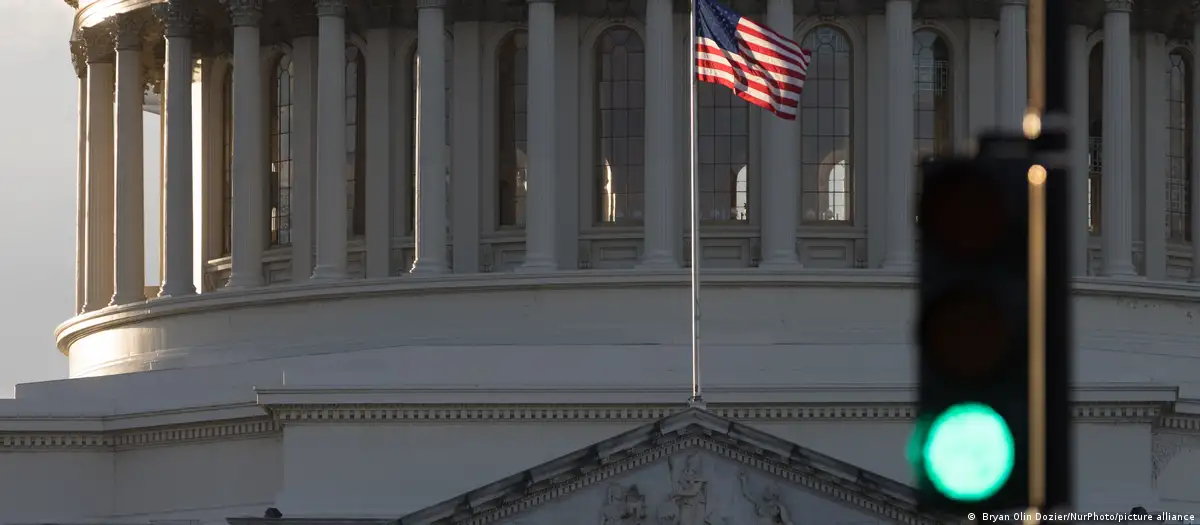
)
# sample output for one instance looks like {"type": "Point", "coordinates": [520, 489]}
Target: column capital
{"type": "Point", "coordinates": [127, 32]}
{"type": "Point", "coordinates": [331, 8]}
{"type": "Point", "coordinates": [1021, 3]}
{"type": "Point", "coordinates": [1118, 6]}
{"type": "Point", "coordinates": [244, 12]}
{"type": "Point", "coordinates": [540, 1]}
{"type": "Point", "coordinates": [98, 46]}
{"type": "Point", "coordinates": [176, 17]}
{"type": "Point", "coordinates": [79, 57]}
{"type": "Point", "coordinates": [422, 4]}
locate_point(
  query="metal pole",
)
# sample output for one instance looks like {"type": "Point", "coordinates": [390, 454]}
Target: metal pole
{"type": "Point", "coordinates": [1048, 122]}
{"type": "Point", "coordinates": [696, 399]}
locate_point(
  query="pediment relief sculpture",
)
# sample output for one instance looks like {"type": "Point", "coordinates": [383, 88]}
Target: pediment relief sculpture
{"type": "Point", "coordinates": [692, 468]}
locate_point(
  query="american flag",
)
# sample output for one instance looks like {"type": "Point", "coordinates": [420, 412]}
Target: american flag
{"type": "Point", "coordinates": [760, 65]}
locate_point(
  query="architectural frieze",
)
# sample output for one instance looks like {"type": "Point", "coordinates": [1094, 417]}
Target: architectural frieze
{"type": "Point", "coordinates": [281, 415]}
{"type": "Point", "coordinates": [1167, 444]}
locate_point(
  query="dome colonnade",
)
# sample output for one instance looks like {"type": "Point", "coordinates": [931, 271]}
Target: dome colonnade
{"type": "Point", "coordinates": [254, 88]}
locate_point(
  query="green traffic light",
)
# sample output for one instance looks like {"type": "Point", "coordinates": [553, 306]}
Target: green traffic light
{"type": "Point", "coordinates": [968, 453]}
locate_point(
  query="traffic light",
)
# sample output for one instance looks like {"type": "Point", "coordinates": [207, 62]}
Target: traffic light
{"type": "Point", "coordinates": [971, 448]}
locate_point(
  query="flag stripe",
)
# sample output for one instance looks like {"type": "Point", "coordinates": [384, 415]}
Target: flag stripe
{"type": "Point", "coordinates": [758, 64]}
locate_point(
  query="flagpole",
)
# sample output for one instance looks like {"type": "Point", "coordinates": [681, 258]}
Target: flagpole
{"type": "Point", "coordinates": [697, 399]}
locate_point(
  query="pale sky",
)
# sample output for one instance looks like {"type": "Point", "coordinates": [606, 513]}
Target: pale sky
{"type": "Point", "coordinates": [38, 144]}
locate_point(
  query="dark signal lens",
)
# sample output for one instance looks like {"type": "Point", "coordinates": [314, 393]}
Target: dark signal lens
{"type": "Point", "coordinates": [963, 213]}
{"type": "Point", "coordinates": [965, 334]}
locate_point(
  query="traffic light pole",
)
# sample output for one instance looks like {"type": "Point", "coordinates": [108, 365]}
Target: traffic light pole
{"type": "Point", "coordinates": [1047, 121]}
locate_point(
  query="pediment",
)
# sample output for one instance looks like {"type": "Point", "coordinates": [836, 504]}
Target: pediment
{"type": "Point", "coordinates": [692, 468]}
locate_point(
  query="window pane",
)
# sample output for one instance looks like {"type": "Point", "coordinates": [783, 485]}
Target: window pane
{"type": "Point", "coordinates": [932, 99]}
{"type": "Point", "coordinates": [1179, 148]}
{"type": "Point", "coordinates": [281, 155]}
{"type": "Point", "coordinates": [619, 116]}
{"type": "Point", "coordinates": [825, 129]}
{"type": "Point", "coordinates": [722, 133]}
{"type": "Point", "coordinates": [513, 79]}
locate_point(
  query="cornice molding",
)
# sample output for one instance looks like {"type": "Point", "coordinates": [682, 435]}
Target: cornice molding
{"type": "Point", "coordinates": [279, 416]}
{"type": "Point", "coordinates": [71, 330]}
{"type": "Point", "coordinates": [1133, 413]}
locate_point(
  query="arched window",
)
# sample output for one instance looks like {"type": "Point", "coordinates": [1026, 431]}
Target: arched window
{"type": "Point", "coordinates": [513, 77]}
{"type": "Point", "coordinates": [1179, 147]}
{"type": "Point", "coordinates": [620, 127]}
{"type": "Point", "coordinates": [356, 180]}
{"type": "Point", "coordinates": [933, 99]}
{"type": "Point", "coordinates": [227, 165]}
{"type": "Point", "coordinates": [723, 144]}
{"type": "Point", "coordinates": [825, 121]}
{"type": "Point", "coordinates": [281, 153]}
{"type": "Point", "coordinates": [415, 131]}
{"type": "Point", "coordinates": [1095, 136]}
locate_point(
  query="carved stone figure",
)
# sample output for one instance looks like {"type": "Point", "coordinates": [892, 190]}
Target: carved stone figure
{"type": "Point", "coordinates": [690, 492]}
{"type": "Point", "coordinates": [768, 508]}
{"type": "Point", "coordinates": [668, 513]}
{"type": "Point", "coordinates": [623, 506]}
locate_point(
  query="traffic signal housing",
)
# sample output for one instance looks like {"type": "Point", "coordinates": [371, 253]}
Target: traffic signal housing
{"type": "Point", "coordinates": [971, 447]}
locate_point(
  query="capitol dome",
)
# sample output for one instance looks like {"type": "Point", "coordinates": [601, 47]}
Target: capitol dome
{"type": "Point", "coordinates": [428, 260]}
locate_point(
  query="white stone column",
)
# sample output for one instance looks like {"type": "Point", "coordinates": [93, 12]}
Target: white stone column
{"type": "Point", "coordinates": [331, 140]}
{"type": "Point", "coordinates": [780, 176]}
{"type": "Point", "coordinates": [249, 150]}
{"type": "Point", "coordinates": [1078, 101]}
{"type": "Point", "coordinates": [660, 220]}
{"type": "Point", "coordinates": [900, 174]}
{"type": "Point", "coordinates": [430, 228]}
{"type": "Point", "coordinates": [1013, 80]}
{"type": "Point", "coordinates": [81, 180]}
{"type": "Point", "coordinates": [1195, 175]}
{"type": "Point", "coordinates": [1153, 170]}
{"type": "Point", "coordinates": [101, 75]}
{"type": "Point", "coordinates": [129, 236]}
{"type": "Point", "coordinates": [467, 98]}
{"type": "Point", "coordinates": [540, 199]}
{"type": "Point", "coordinates": [1117, 180]}
{"type": "Point", "coordinates": [378, 57]}
{"type": "Point", "coordinates": [304, 155]}
{"type": "Point", "coordinates": [177, 113]}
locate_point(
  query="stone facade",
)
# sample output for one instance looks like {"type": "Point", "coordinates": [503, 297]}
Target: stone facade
{"type": "Point", "coordinates": [354, 346]}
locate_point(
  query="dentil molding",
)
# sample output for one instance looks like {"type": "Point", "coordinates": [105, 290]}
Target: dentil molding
{"type": "Point", "coordinates": [281, 415]}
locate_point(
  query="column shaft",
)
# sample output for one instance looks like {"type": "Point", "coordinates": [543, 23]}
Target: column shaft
{"type": "Point", "coordinates": [379, 152]}
{"type": "Point", "coordinates": [100, 222]}
{"type": "Point", "coordinates": [1194, 212]}
{"type": "Point", "coordinates": [249, 150]}
{"type": "Point", "coordinates": [467, 94]}
{"type": "Point", "coordinates": [431, 139]}
{"type": "Point", "coordinates": [177, 114]}
{"type": "Point", "coordinates": [1118, 143]}
{"type": "Point", "coordinates": [661, 226]}
{"type": "Point", "coordinates": [1154, 140]}
{"type": "Point", "coordinates": [1014, 71]}
{"type": "Point", "coordinates": [1078, 49]}
{"type": "Point", "coordinates": [304, 155]}
{"type": "Point", "coordinates": [540, 253]}
{"type": "Point", "coordinates": [129, 205]}
{"type": "Point", "coordinates": [900, 174]}
{"type": "Point", "coordinates": [781, 184]}
{"type": "Point", "coordinates": [81, 194]}
{"type": "Point", "coordinates": [331, 140]}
